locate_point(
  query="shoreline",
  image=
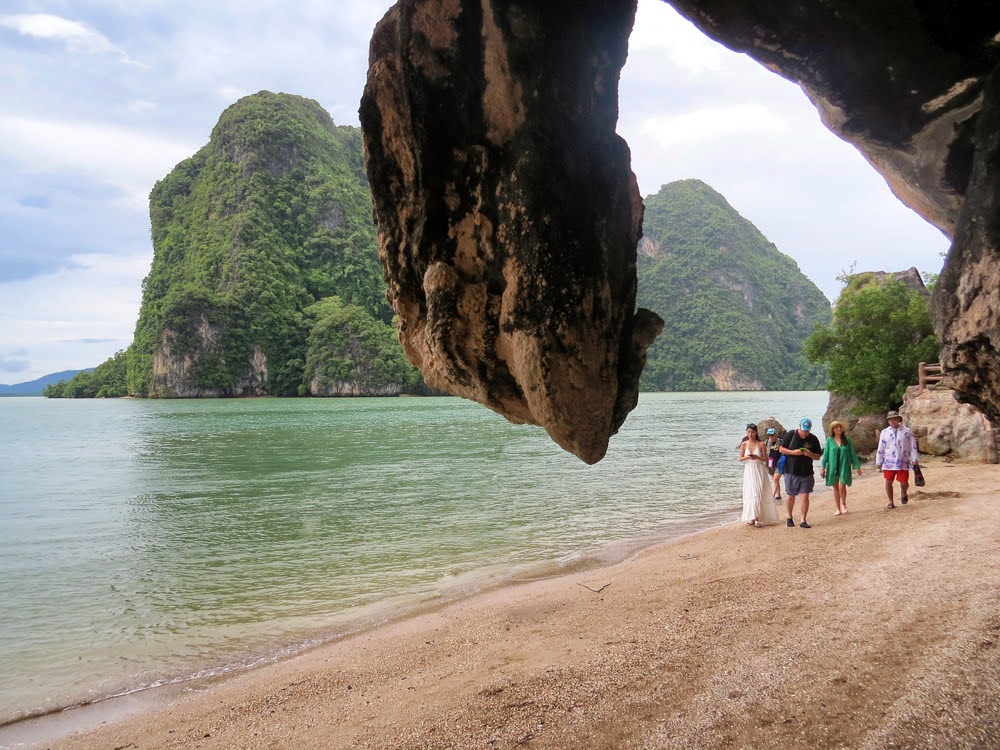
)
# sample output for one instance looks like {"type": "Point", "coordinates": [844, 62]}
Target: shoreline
{"type": "Point", "coordinates": [59, 722]}
{"type": "Point", "coordinates": [690, 641]}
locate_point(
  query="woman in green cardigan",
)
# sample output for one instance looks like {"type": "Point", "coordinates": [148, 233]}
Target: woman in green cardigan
{"type": "Point", "coordinates": [839, 457]}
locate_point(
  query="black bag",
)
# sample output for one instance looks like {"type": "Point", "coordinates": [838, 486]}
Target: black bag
{"type": "Point", "coordinates": [918, 476]}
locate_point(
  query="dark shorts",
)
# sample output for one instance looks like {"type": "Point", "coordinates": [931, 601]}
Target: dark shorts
{"type": "Point", "coordinates": [797, 485]}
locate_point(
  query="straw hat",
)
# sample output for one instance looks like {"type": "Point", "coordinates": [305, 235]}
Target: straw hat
{"type": "Point", "coordinates": [835, 423]}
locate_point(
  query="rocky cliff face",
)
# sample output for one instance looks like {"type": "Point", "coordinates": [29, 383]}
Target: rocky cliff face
{"type": "Point", "coordinates": [944, 427]}
{"type": "Point", "coordinates": [728, 379]}
{"type": "Point", "coordinates": [501, 190]}
{"type": "Point", "coordinates": [510, 258]}
{"type": "Point", "coordinates": [321, 387]}
{"type": "Point", "coordinates": [737, 310]}
{"type": "Point", "coordinates": [864, 429]}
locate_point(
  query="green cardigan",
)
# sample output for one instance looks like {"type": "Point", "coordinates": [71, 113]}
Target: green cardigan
{"type": "Point", "coordinates": [838, 460]}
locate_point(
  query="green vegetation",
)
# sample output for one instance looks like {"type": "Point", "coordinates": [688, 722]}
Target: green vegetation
{"type": "Point", "coordinates": [348, 347]}
{"type": "Point", "coordinates": [107, 380]}
{"type": "Point", "coordinates": [881, 331]}
{"type": "Point", "coordinates": [730, 299]}
{"type": "Point", "coordinates": [265, 277]}
{"type": "Point", "coordinates": [270, 217]}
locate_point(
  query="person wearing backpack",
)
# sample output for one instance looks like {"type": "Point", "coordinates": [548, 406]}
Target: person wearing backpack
{"type": "Point", "coordinates": [801, 448]}
{"type": "Point", "coordinates": [774, 463]}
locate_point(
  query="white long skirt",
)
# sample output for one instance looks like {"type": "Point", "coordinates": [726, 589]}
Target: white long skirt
{"type": "Point", "coordinates": [757, 502]}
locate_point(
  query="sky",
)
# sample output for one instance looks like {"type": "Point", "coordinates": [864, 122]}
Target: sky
{"type": "Point", "coordinates": [101, 98]}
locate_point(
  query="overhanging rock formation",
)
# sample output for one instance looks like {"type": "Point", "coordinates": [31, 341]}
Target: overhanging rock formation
{"type": "Point", "coordinates": [507, 211]}
{"type": "Point", "coordinates": [508, 214]}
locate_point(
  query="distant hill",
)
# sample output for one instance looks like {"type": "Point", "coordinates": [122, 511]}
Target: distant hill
{"type": "Point", "coordinates": [737, 310]}
{"type": "Point", "coordinates": [35, 387]}
{"type": "Point", "coordinates": [265, 275]}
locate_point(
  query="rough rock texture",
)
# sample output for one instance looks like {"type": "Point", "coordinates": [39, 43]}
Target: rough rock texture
{"type": "Point", "coordinates": [727, 379]}
{"type": "Point", "coordinates": [508, 214]}
{"type": "Point", "coordinates": [910, 277]}
{"type": "Point", "coordinates": [864, 429]}
{"type": "Point", "coordinates": [763, 424]}
{"type": "Point", "coordinates": [901, 80]}
{"type": "Point", "coordinates": [966, 302]}
{"type": "Point", "coordinates": [175, 366]}
{"type": "Point", "coordinates": [318, 387]}
{"type": "Point", "coordinates": [943, 426]}
{"type": "Point", "coordinates": [507, 211]}
{"type": "Point", "coordinates": [913, 86]}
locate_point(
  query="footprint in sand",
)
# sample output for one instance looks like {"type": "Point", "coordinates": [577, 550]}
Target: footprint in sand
{"type": "Point", "coordinates": [936, 495]}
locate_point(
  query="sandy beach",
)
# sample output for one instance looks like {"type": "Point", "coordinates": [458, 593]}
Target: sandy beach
{"type": "Point", "coordinates": [877, 629]}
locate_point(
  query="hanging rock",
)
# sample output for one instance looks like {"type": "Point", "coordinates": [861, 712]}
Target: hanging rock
{"type": "Point", "coordinates": [507, 212]}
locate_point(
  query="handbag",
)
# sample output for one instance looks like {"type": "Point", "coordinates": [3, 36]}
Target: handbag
{"type": "Point", "coordinates": [782, 462]}
{"type": "Point", "coordinates": [918, 476]}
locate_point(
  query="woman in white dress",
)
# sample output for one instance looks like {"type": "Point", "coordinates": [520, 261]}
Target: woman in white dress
{"type": "Point", "coordinates": [756, 487]}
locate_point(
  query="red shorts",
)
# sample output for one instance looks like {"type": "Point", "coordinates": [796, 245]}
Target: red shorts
{"type": "Point", "coordinates": [902, 476]}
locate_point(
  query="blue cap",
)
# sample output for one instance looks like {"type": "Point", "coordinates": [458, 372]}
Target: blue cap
{"type": "Point", "coordinates": [806, 424]}
{"type": "Point", "coordinates": [770, 430]}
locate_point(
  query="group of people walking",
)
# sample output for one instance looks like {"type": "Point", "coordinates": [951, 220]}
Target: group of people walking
{"type": "Point", "coordinates": [792, 456]}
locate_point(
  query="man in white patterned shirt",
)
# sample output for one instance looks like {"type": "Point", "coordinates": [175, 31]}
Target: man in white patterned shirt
{"type": "Point", "coordinates": [897, 453]}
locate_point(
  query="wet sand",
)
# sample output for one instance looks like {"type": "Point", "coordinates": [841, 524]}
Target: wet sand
{"type": "Point", "coordinates": [872, 630]}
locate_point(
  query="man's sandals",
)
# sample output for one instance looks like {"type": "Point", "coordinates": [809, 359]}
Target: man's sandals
{"type": "Point", "coordinates": [903, 500]}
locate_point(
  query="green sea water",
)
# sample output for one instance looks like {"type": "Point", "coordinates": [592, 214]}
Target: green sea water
{"type": "Point", "coordinates": [150, 542]}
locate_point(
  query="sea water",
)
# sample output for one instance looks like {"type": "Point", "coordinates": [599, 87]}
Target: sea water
{"type": "Point", "coordinates": [149, 542]}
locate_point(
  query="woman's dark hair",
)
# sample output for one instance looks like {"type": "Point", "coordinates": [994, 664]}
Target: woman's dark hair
{"type": "Point", "coordinates": [753, 427]}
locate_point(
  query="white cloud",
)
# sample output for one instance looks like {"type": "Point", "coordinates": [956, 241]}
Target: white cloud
{"type": "Point", "coordinates": [141, 105]}
{"type": "Point", "coordinates": [230, 94]}
{"type": "Point", "coordinates": [131, 160]}
{"type": "Point", "coordinates": [669, 130]}
{"type": "Point", "coordinates": [49, 318]}
{"type": "Point", "coordinates": [77, 37]}
{"type": "Point", "coordinates": [661, 29]}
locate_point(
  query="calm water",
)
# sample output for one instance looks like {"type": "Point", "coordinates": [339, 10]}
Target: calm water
{"type": "Point", "coordinates": [148, 541]}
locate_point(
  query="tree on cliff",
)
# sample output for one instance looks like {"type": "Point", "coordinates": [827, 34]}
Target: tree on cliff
{"type": "Point", "coordinates": [349, 351]}
{"type": "Point", "coordinates": [881, 331]}
{"type": "Point", "coordinates": [735, 308]}
{"type": "Point", "coordinates": [107, 380]}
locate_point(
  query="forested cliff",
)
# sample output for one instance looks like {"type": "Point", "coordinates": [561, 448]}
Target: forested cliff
{"type": "Point", "coordinates": [268, 220]}
{"type": "Point", "coordinates": [737, 310]}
